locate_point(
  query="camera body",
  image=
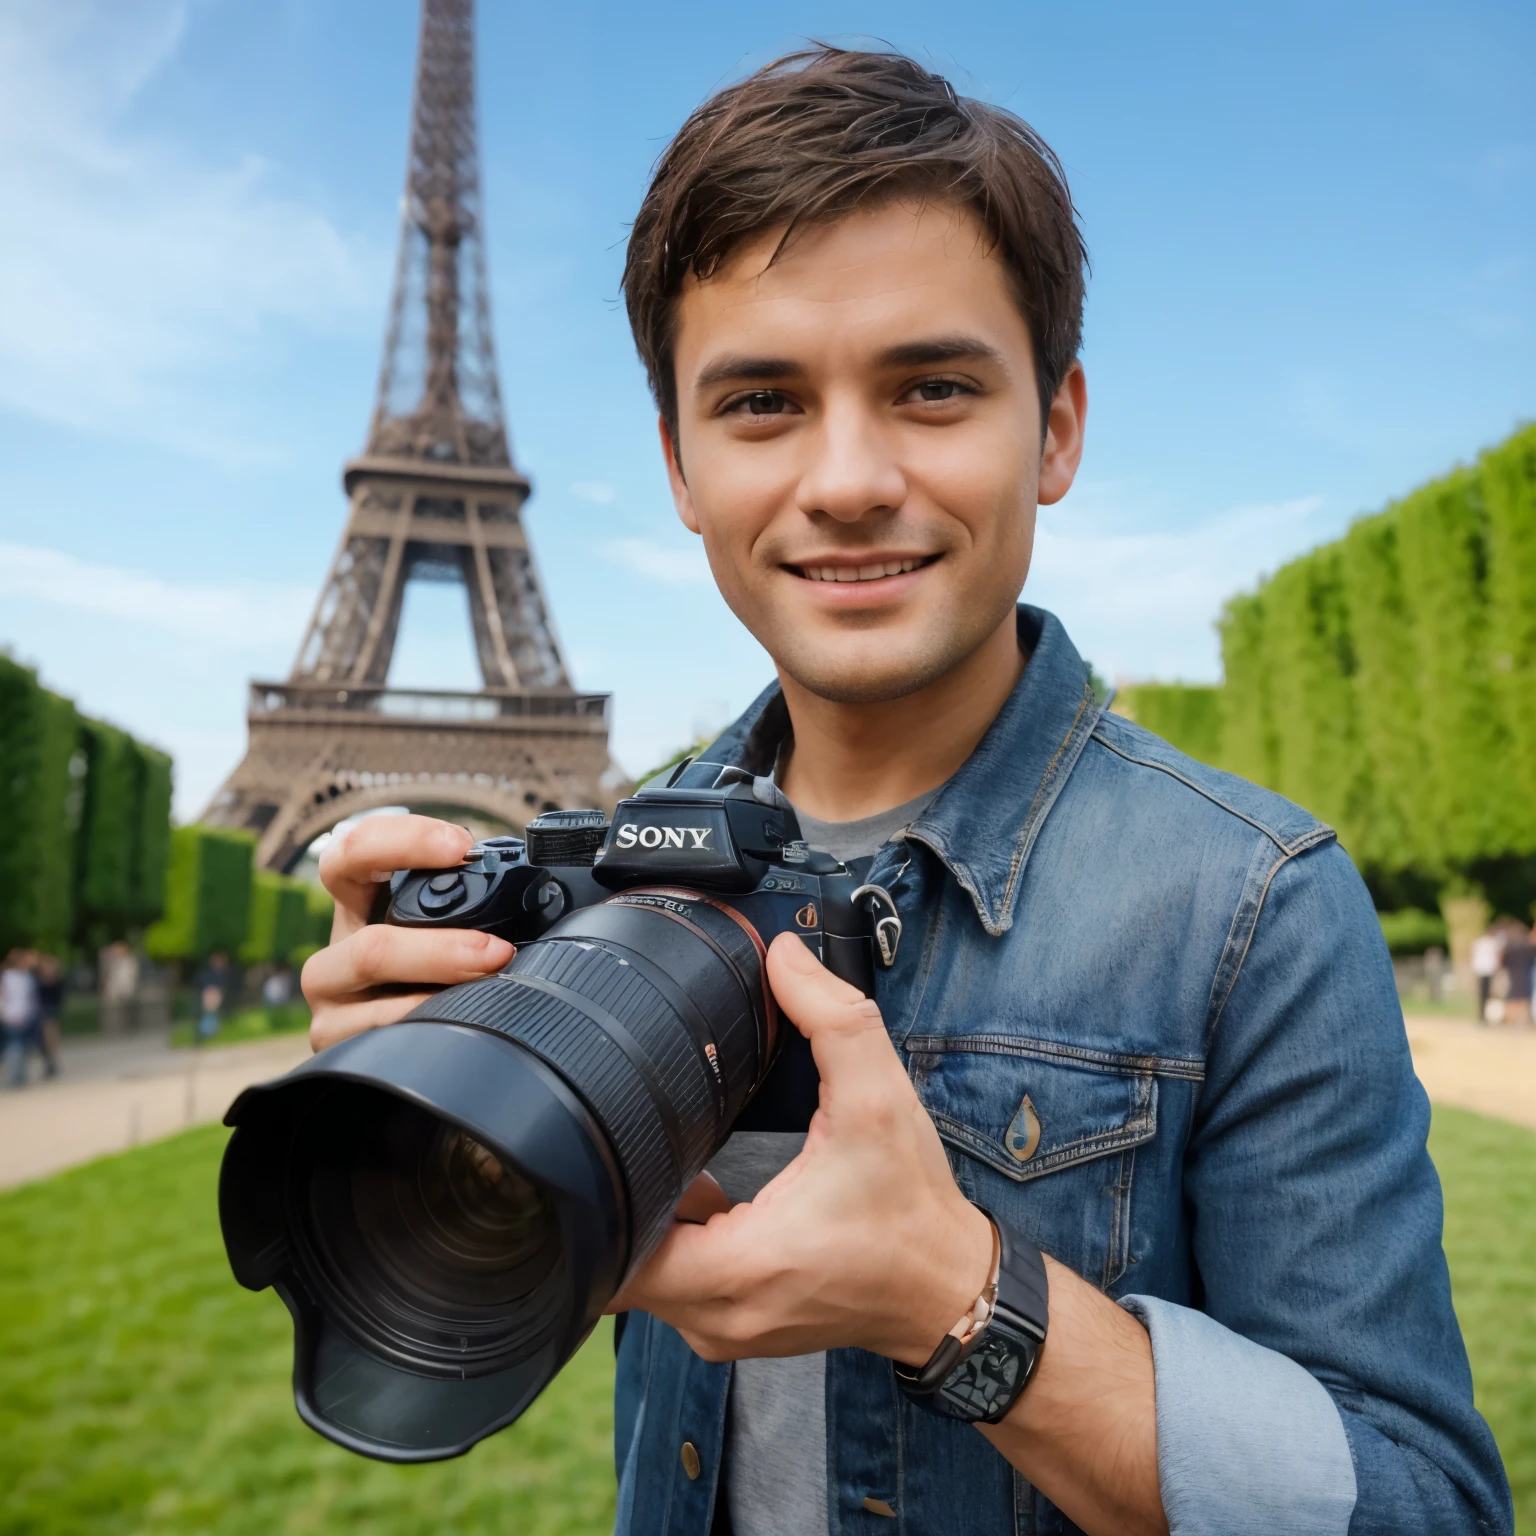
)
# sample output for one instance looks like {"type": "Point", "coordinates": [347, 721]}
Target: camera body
{"type": "Point", "coordinates": [722, 837]}
{"type": "Point", "coordinates": [447, 1205]}
{"type": "Point", "coordinates": [707, 829]}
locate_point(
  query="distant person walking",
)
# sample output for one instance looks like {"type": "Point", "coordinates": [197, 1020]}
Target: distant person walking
{"type": "Point", "coordinates": [1487, 958]}
{"type": "Point", "coordinates": [50, 1011]}
{"type": "Point", "coordinates": [119, 987]}
{"type": "Point", "coordinates": [1518, 957]}
{"type": "Point", "coordinates": [19, 1013]}
{"type": "Point", "coordinates": [213, 984]}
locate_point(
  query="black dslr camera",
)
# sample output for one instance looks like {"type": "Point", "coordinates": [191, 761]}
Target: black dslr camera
{"type": "Point", "coordinates": [447, 1205]}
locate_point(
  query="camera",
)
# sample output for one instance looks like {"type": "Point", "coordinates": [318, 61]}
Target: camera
{"type": "Point", "coordinates": [446, 1205]}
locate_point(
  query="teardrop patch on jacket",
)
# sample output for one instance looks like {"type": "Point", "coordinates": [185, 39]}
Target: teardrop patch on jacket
{"type": "Point", "coordinates": [1024, 1134]}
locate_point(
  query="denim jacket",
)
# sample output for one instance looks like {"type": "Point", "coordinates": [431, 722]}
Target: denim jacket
{"type": "Point", "coordinates": [1149, 1009]}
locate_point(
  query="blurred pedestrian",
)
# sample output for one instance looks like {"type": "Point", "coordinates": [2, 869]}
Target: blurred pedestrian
{"type": "Point", "coordinates": [18, 1013]}
{"type": "Point", "coordinates": [50, 1011]}
{"type": "Point", "coordinates": [1487, 959]}
{"type": "Point", "coordinates": [1518, 957]}
{"type": "Point", "coordinates": [277, 989]}
{"type": "Point", "coordinates": [213, 984]}
{"type": "Point", "coordinates": [119, 987]}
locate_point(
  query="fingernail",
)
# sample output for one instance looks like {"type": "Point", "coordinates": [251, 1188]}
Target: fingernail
{"type": "Point", "coordinates": [796, 953]}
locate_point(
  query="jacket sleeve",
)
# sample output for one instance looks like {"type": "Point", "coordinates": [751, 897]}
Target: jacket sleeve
{"type": "Point", "coordinates": [1316, 1218]}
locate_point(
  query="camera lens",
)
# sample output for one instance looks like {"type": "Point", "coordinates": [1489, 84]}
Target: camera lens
{"type": "Point", "coordinates": [428, 1246]}
{"type": "Point", "coordinates": [446, 1205]}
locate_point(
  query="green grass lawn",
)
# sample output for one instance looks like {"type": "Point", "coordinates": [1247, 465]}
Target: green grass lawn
{"type": "Point", "coordinates": [141, 1390]}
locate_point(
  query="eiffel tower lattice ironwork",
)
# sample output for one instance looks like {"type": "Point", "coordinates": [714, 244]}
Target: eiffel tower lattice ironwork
{"type": "Point", "coordinates": [434, 496]}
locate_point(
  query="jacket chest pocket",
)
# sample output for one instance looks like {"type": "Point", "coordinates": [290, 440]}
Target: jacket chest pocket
{"type": "Point", "coordinates": [1048, 1138]}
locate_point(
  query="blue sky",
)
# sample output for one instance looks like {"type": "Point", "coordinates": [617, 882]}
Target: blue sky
{"type": "Point", "coordinates": [1314, 286]}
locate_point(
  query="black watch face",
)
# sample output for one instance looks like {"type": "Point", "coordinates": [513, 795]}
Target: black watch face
{"type": "Point", "coordinates": [985, 1384]}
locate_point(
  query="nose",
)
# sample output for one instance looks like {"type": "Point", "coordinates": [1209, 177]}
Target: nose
{"type": "Point", "coordinates": [852, 471]}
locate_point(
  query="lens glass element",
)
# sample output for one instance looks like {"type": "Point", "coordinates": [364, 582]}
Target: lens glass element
{"type": "Point", "coordinates": [424, 1243]}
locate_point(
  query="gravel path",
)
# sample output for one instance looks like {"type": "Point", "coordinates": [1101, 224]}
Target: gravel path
{"type": "Point", "coordinates": [1481, 1067]}
{"type": "Point", "coordinates": [113, 1094]}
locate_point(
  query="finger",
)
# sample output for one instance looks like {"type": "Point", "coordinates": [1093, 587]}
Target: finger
{"type": "Point", "coordinates": [353, 864]}
{"type": "Point", "coordinates": [846, 1032]}
{"type": "Point", "coordinates": [378, 955]}
{"type": "Point", "coordinates": [340, 1021]}
{"type": "Point", "coordinates": [693, 1267]}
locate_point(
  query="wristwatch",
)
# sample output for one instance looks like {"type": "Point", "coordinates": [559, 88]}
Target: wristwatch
{"type": "Point", "coordinates": [984, 1362]}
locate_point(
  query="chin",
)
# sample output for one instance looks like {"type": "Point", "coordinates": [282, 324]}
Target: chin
{"type": "Point", "coordinates": [863, 675]}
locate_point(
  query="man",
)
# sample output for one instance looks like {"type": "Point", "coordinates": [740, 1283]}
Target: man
{"type": "Point", "coordinates": [1201, 1172]}
{"type": "Point", "coordinates": [1516, 957]}
{"type": "Point", "coordinates": [50, 1011]}
{"type": "Point", "coordinates": [18, 1013]}
{"type": "Point", "coordinates": [213, 983]}
{"type": "Point", "coordinates": [1487, 960]}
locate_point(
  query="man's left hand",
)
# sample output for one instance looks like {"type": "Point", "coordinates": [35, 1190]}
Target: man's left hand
{"type": "Point", "coordinates": [863, 1240]}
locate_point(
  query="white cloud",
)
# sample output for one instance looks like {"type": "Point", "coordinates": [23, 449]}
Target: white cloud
{"type": "Point", "coordinates": [659, 562]}
{"type": "Point", "coordinates": [1144, 604]}
{"type": "Point", "coordinates": [242, 614]}
{"type": "Point", "coordinates": [598, 491]}
{"type": "Point", "coordinates": [129, 264]}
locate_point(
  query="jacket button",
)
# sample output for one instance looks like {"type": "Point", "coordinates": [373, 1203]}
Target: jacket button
{"type": "Point", "coordinates": [690, 1457]}
{"type": "Point", "coordinates": [879, 1507]}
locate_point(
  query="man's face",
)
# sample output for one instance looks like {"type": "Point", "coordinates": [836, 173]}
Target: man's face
{"type": "Point", "coordinates": [860, 441]}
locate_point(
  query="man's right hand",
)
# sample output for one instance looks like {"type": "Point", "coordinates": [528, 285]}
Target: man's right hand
{"type": "Point", "coordinates": [372, 974]}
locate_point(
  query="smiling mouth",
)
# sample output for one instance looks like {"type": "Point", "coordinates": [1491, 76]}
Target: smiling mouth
{"type": "Point", "coordinates": [874, 571]}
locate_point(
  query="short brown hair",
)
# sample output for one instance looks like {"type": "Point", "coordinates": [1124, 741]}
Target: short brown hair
{"type": "Point", "coordinates": [819, 133]}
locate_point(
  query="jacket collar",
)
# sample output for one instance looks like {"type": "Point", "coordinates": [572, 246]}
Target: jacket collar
{"type": "Point", "coordinates": [984, 822]}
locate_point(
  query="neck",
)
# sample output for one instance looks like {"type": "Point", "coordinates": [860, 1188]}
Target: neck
{"type": "Point", "coordinates": [848, 761]}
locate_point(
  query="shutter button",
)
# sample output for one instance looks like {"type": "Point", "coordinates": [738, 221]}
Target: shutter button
{"type": "Point", "coordinates": [442, 893]}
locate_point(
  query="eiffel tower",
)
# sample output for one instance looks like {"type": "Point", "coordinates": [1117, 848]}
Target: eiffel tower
{"type": "Point", "coordinates": [434, 497]}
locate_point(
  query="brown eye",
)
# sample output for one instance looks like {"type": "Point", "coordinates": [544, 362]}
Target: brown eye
{"type": "Point", "coordinates": [937, 389]}
{"type": "Point", "coordinates": [763, 402]}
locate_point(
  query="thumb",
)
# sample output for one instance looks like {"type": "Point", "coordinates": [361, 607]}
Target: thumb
{"type": "Point", "coordinates": [846, 1032]}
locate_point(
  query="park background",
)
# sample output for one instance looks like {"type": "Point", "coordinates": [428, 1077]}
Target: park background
{"type": "Point", "coordinates": [1313, 302]}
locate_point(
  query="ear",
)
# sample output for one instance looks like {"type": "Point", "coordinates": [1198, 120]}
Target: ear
{"type": "Point", "coordinates": [1064, 427]}
{"type": "Point", "coordinates": [682, 497]}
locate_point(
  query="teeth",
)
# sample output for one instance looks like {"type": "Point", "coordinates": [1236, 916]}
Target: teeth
{"type": "Point", "coordinates": [859, 572]}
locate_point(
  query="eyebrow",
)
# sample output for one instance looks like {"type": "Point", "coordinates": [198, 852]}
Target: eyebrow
{"type": "Point", "coordinates": [747, 370]}
{"type": "Point", "coordinates": [740, 369]}
{"type": "Point", "coordinates": [939, 349]}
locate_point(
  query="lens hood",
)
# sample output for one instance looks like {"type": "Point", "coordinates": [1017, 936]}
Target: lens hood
{"type": "Point", "coordinates": [356, 1381]}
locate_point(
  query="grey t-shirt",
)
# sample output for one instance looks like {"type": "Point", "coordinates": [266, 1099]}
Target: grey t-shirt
{"type": "Point", "coordinates": [776, 1427]}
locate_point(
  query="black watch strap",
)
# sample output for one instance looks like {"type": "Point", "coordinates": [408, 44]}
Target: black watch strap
{"type": "Point", "coordinates": [981, 1382]}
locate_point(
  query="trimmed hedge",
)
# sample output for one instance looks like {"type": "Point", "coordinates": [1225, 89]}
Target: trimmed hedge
{"type": "Point", "coordinates": [208, 895]}
{"type": "Point", "coordinates": [1188, 715]}
{"type": "Point", "coordinates": [1412, 931]}
{"type": "Point", "coordinates": [1387, 682]}
{"type": "Point", "coordinates": [278, 922]}
{"type": "Point", "coordinates": [84, 833]}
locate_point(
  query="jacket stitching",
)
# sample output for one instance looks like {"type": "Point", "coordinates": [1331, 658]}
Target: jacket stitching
{"type": "Point", "coordinates": [1011, 1045]}
{"type": "Point", "coordinates": [1133, 1133]}
{"type": "Point", "coordinates": [1258, 909]}
{"type": "Point", "coordinates": [1055, 775]}
{"type": "Point", "coordinates": [1245, 915]}
{"type": "Point", "coordinates": [1319, 832]}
